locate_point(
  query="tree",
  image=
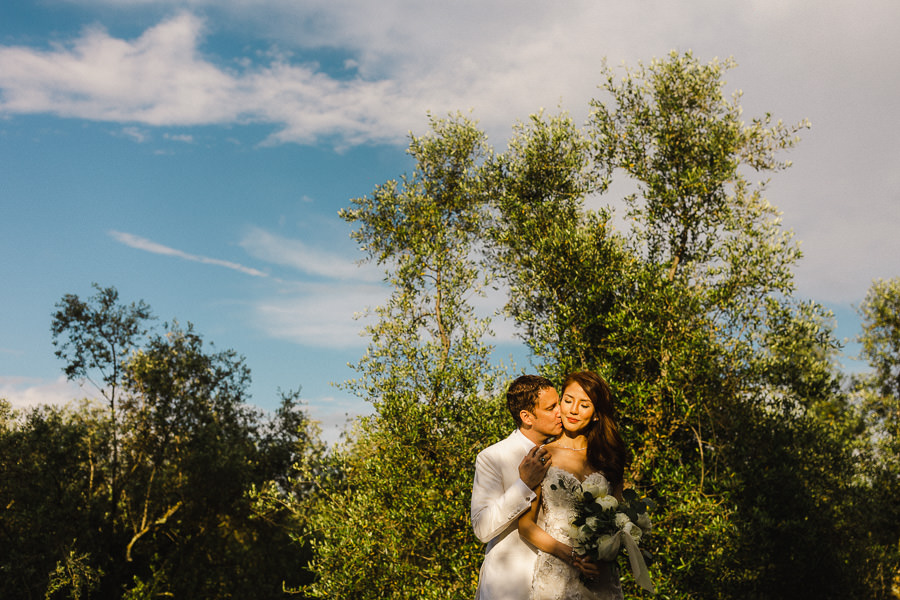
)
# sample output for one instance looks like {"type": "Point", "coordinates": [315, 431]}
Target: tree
{"type": "Point", "coordinates": [689, 314]}
{"type": "Point", "coordinates": [395, 524]}
{"type": "Point", "coordinates": [192, 456]}
{"type": "Point", "coordinates": [879, 391]}
{"type": "Point", "coordinates": [194, 451]}
{"type": "Point", "coordinates": [880, 338]}
{"type": "Point", "coordinates": [52, 517]}
{"type": "Point", "coordinates": [94, 337]}
{"type": "Point", "coordinates": [726, 384]}
{"type": "Point", "coordinates": [188, 429]}
{"type": "Point", "coordinates": [670, 128]}
{"type": "Point", "coordinates": [75, 575]}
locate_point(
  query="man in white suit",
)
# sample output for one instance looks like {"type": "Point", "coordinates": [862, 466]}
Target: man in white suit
{"type": "Point", "coordinates": [506, 477]}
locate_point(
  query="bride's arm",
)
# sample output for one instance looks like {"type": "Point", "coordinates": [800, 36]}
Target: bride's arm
{"type": "Point", "coordinates": [540, 539]}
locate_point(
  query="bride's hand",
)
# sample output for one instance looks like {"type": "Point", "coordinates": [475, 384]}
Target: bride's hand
{"type": "Point", "coordinates": [589, 568]}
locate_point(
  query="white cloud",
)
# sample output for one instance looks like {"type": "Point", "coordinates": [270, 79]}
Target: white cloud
{"type": "Point", "coordinates": [138, 135]}
{"type": "Point", "coordinates": [319, 315]}
{"type": "Point", "coordinates": [186, 138]}
{"type": "Point", "coordinates": [279, 250]}
{"type": "Point", "coordinates": [157, 79]}
{"type": "Point", "coordinates": [830, 61]}
{"type": "Point", "coordinates": [846, 249]}
{"type": "Point", "coordinates": [335, 415]}
{"type": "Point", "coordinates": [27, 392]}
{"type": "Point", "coordinates": [140, 243]}
{"type": "Point", "coordinates": [162, 79]}
{"type": "Point", "coordinates": [503, 59]}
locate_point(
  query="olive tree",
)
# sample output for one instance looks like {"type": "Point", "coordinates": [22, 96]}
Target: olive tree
{"type": "Point", "coordinates": [879, 391]}
{"type": "Point", "coordinates": [395, 523]}
{"type": "Point", "coordinates": [95, 337]}
{"type": "Point", "coordinates": [686, 306]}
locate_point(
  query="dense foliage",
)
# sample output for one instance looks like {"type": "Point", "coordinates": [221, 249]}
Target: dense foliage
{"type": "Point", "coordinates": [767, 472]}
{"type": "Point", "coordinates": [396, 523]}
{"type": "Point", "coordinates": [150, 496]}
{"type": "Point", "coordinates": [775, 475]}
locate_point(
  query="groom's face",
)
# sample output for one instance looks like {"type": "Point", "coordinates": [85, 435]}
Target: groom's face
{"type": "Point", "coordinates": [547, 420]}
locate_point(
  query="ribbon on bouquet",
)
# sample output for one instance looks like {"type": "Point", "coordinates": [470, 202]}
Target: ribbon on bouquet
{"type": "Point", "coordinates": [609, 549]}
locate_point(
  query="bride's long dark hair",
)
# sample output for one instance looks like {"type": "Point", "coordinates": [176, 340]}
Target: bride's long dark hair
{"type": "Point", "coordinates": [606, 451]}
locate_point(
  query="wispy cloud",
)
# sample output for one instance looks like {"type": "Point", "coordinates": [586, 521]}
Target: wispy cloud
{"type": "Point", "coordinates": [186, 138]}
{"type": "Point", "coordinates": [138, 135]}
{"type": "Point", "coordinates": [294, 253]}
{"type": "Point", "coordinates": [313, 313]}
{"type": "Point", "coordinates": [322, 312]}
{"type": "Point", "coordinates": [319, 315]}
{"type": "Point", "coordinates": [146, 245]}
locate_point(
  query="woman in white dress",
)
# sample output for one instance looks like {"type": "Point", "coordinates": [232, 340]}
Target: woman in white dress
{"type": "Point", "coordinates": [589, 449]}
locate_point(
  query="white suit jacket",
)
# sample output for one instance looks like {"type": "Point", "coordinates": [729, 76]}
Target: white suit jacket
{"type": "Point", "coordinates": [499, 497]}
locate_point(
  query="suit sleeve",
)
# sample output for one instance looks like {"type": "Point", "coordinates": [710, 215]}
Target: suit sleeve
{"type": "Point", "coordinates": [493, 507]}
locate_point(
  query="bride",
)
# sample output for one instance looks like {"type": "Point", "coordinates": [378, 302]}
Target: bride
{"type": "Point", "coordinates": [589, 449]}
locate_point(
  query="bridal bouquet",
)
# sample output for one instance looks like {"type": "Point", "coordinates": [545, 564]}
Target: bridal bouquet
{"type": "Point", "coordinates": [603, 527]}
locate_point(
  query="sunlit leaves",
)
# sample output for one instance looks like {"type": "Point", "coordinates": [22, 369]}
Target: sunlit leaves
{"type": "Point", "coordinates": [726, 385]}
{"type": "Point", "coordinates": [670, 128]}
{"type": "Point", "coordinates": [880, 339]}
{"type": "Point", "coordinates": [395, 525]}
{"type": "Point", "coordinates": [880, 390]}
{"type": "Point", "coordinates": [689, 312]}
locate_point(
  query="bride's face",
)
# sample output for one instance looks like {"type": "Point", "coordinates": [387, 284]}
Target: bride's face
{"type": "Point", "coordinates": [576, 408]}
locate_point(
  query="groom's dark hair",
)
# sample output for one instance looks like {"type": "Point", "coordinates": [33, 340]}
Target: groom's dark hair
{"type": "Point", "coordinates": [523, 393]}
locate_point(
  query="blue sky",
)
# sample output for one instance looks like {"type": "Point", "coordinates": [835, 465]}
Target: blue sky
{"type": "Point", "coordinates": [194, 154]}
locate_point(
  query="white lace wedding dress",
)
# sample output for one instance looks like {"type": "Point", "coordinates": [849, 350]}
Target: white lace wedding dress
{"type": "Point", "coordinates": [553, 578]}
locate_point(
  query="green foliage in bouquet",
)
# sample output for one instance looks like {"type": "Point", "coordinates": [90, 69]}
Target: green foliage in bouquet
{"type": "Point", "coordinates": [601, 520]}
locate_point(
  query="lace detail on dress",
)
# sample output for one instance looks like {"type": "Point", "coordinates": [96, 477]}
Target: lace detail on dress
{"type": "Point", "coordinates": [553, 578]}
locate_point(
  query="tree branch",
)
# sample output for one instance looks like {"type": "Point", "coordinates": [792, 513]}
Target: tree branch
{"type": "Point", "coordinates": [160, 521]}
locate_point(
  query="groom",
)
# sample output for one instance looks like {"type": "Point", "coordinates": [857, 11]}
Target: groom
{"type": "Point", "coordinates": [506, 477]}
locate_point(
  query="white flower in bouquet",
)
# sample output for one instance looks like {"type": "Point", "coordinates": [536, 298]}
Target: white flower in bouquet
{"type": "Point", "coordinates": [604, 527]}
{"type": "Point", "coordinates": [574, 534]}
{"type": "Point", "coordinates": [634, 531]}
{"type": "Point", "coordinates": [579, 536]}
{"type": "Point", "coordinates": [643, 521]}
{"type": "Point", "coordinates": [596, 490]}
{"type": "Point", "coordinates": [608, 501]}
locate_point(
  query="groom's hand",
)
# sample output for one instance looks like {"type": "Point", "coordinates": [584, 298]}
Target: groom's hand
{"type": "Point", "coordinates": [534, 466]}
